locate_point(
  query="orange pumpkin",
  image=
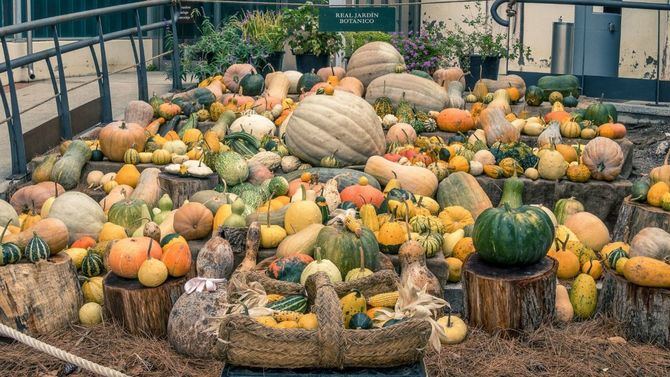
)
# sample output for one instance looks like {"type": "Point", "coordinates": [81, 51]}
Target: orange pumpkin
{"type": "Point", "coordinates": [168, 110]}
{"type": "Point", "coordinates": [569, 153]}
{"type": "Point", "coordinates": [455, 120]}
{"type": "Point", "coordinates": [612, 130]}
{"type": "Point", "coordinates": [84, 243]}
{"type": "Point", "coordinates": [117, 137]}
{"type": "Point", "coordinates": [560, 116]}
{"type": "Point", "coordinates": [265, 103]}
{"type": "Point", "coordinates": [193, 221]}
{"type": "Point", "coordinates": [362, 193]}
{"type": "Point", "coordinates": [177, 259]}
{"type": "Point", "coordinates": [127, 255]}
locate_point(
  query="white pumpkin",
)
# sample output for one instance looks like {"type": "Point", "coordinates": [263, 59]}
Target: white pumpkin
{"type": "Point", "coordinates": [175, 146]}
{"type": "Point", "coordinates": [82, 215]}
{"type": "Point", "coordinates": [484, 157]}
{"type": "Point", "coordinates": [321, 265]}
{"type": "Point", "coordinates": [293, 78]}
{"type": "Point", "coordinates": [476, 168]}
{"type": "Point", "coordinates": [253, 124]}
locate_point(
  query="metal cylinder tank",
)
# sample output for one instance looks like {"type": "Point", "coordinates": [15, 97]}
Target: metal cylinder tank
{"type": "Point", "coordinates": [598, 31]}
{"type": "Point", "coordinates": [562, 47]}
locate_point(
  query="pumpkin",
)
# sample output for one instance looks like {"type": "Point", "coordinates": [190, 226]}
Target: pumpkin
{"type": "Point", "coordinates": [128, 175]}
{"type": "Point", "coordinates": [234, 75]}
{"type": "Point", "coordinates": [301, 214]}
{"type": "Point", "coordinates": [578, 173]}
{"type": "Point", "coordinates": [496, 127]}
{"type": "Point", "coordinates": [34, 196]}
{"type": "Point", "coordinates": [454, 218]}
{"type": "Point", "coordinates": [513, 236]}
{"type": "Point", "coordinates": [138, 112]}
{"type": "Point", "coordinates": [67, 170]}
{"type": "Point", "coordinates": [570, 129]}
{"type": "Point", "coordinates": [401, 133]}
{"type": "Point", "coordinates": [130, 214]}
{"type": "Point", "coordinates": [459, 163]}
{"type": "Point", "coordinates": [329, 72]}
{"type": "Point", "coordinates": [426, 95]}
{"type": "Point", "coordinates": [391, 236]}
{"type": "Point", "coordinates": [566, 207]}
{"type": "Point", "coordinates": [569, 153]}
{"type": "Point", "coordinates": [600, 113]}
{"type": "Point", "coordinates": [152, 272]}
{"type": "Point", "coordinates": [168, 110]}
{"type": "Point", "coordinates": [177, 259]}
{"type": "Point", "coordinates": [552, 166]}
{"type": "Point", "coordinates": [127, 255]}
{"type": "Point", "coordinates": [193, 221]}
{"type": "Point", "coordinates": [462, 189]}
{"type": "Point", "coordinates": [455, 120]}
{"type": "Point", "coordinates": [81, 214]}
{"type": "Point", "coordinates": [651, 242]}
{"type": "Point", "coordinates": [589, 229]}
{"type": "Point", "coordinates": [351, 85]}
{"type": "Point", "coordinates": [661, 173]}
{"type": "Point", "coordinates": [362, 193]}
{"type": "Point", "coordinates": [656, 193]}
{"type": "Point", "coordinates": [415, 179]}
{"type": "Point", "coordinates": [321, 265]}
{"type": "Point", "coordinates": [447, 75]}
{"type": "Point", "coordinates": [612, 130]}
{"type": "Point", "coordinates": [604, 158]}
{"type": "Point", "coordinates": [117, 137]}
{"type": "Point", "coordinates": [52, 231]}
{"type": "Point", "coordinates": [342, 247]}
{"type": "Point", "coordinates": [373, 60]}
{"type": "Point", "coordinates": [454, 329]}
{"type": "Point", "coordinates": [161, 157]}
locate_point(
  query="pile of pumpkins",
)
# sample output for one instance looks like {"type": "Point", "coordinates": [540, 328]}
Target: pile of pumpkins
{"type": "Point", "coordinates": [654, 189]}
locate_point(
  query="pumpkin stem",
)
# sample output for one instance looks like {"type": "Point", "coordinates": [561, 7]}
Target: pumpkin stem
{"type": "Point", "coordinates": [267, 219]}
{"type": "Point", "coordinates": [409, 231]}
{"type": "Point", "coordinates": [2, 236]}
{"type": "Point", "coordinates": [151, 243]}
{"type": "Point", "coordinates": [304, 192]}
{"type": "Point", "coordinates": [449, 319]}
{"type": "Point", "coordinates": [590, 266]}
{"type": "Point", "coordinates": [362, 255]}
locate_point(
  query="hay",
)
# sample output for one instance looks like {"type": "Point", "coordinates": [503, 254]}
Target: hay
{"type": "Point", "coordinates": [581, 349]}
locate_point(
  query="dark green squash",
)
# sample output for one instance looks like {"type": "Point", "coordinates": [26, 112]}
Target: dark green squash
{"type": "Point", "coordinates": [92, 264]}
{"type": "Point", "coordinates": [392, 322]}
{"type": "Point", "coordinates": [565, 84]}
{"type": "Point", "coordinates": [187, 107]}
{"type": "Point", "coordinates": [307, 81]}
{"type": "Point", "coordinates": [292, 303]}
{"type": "Point", "coordinates": [570, 101]}
{"type": "Point", "coordinates": [323, 206]}
{"type": "Point", "coordinates": [155, 102]}
{"type": "Point", "coordinates": [534, 95]}
{"type": "Point", "coordinates": [37, 249]}
{"type": "Point", "coordinates": [289, 268]}
{"type": "Point", "coordinates": [129, 214]}
{"type": "Point", "coordinates": [639, 190]}
{"type": "Point", "coordinates": [577, 115]}
{"type": "Point", "coordinates": [458, 138]}
{"type": "Point", "coordinates": [614, 257]}
{"type": "Point", "coordinates": [204, 97]}
{"type": "Point", "coordinates": [9, 252]}
{"type": "Point", "coordinates": [513, 236]}
{"type": "Point", "coordinates": [360, 321]}
{"type": "Point", "coordinates": [165, 240]}
{"type": "Point", "coordinates": [342, 247]}
{"type": "Point", "coordinates": [444, 154]}
{"type": "Point", "coordinates": [252, 84]}
{"type": "Point", "coordinates": [97, 155]}
{"type": "Point", "coordinates": [600, 113]}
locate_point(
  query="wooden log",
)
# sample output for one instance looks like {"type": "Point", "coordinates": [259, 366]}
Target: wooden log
{"type": "Point", "coordinates": [40, 298]}
{"type": "Point", "coordinates": [141, 310]}
{"type": "Point", "coordinates": [644, 311]}
{"type": "Point", "coordinates": [181, 188]}
{"type": "Point", "coordinates": [508, 300]}
{"type": "Point", "coordinates": [633, 217]}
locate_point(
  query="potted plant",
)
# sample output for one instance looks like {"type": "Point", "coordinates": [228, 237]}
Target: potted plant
{"type": "Point", "coordinates": [266, 30]}
{"type": "Point", "coordinates": [478, 48]}
{"type": "Point", "coordinates": [419, 50]}
{"type": "Point", "coordinates": [312, 48]}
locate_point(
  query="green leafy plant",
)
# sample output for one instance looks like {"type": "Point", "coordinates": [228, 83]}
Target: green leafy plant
{"type": "Point", "coordinates": [264, 28]}
{"type": "Point", "coordinates": [302, 24]}
{"type": "Point", "coordinates": [354, 40]}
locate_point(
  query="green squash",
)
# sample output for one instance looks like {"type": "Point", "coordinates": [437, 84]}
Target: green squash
{"type": "Point", "coordinates": [307, 81]}
{"type": "Point", "coordinates": [204, 97]}
{"type": "Point", "coordinates": [289, 268]}
{"type": "Point", "coordinates": [566, 207]}
{"type": "Point", "coordinates": [420, 73]}
{"type": "Point", "coordinates": [392, 322]}
{"type": "Point", "coordinates": [130, 214]}
{"type": "Point", "coordinates": [342, 247]}
{"type": "Point", "coordinates": [600, 113]}
{"type": "Point", "coordinates": [292, 303]}
{"type": "Point", "coordinates": [639, 190]}
{"type": "Point", "coordinates": [431, 243]}
{"type": "Point", "coordinates": [92, 264]}
{"type": "Point", "coordinates": [534, 95]}
{"type": "Point", "coordinates": [513, 236]}
{"type": "Point", "coordinates": [565, 84]}
{"type": "Point", "coordinates": [360, 321]}
{"type": "Point", "coordinates": [9, 252]}
{"type": "Point", "coordinates": [512, 193]}
{"type": "Point", "coordinates": [232, 168]}
{"type": "Point", "coordinates": [323, 207]}
{"type": "Point", "coordinates": [155, 102]}
{"type": "Point", "coordinates": [577, 115]}
{"type": "Point", "coordinates": [37, 249]}
{"type": "Point", "coordinates": [614, 257]}
{"type": "Point", "coordinates": [97, 155]}
{"type": "Point", "coordinates": [278, 186]}
{"type": "Point", "coordinates": [252, 84]}
{"type": "Point", "coordinates": [570, 101]}
{"type": "Point", "coordinates": [187, 107]}
{"type": "Point", "coordinates": [191, 122]}
{"type": "Point", "coordinates": [67, 170]}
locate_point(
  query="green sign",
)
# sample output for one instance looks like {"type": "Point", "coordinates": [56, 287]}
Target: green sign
{"type": "Point", "coordinates": [357, 19]}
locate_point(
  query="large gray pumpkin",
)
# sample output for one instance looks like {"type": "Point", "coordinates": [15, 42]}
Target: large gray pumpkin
{"type": "Point", "coordinates": [343, 124]}
{"type": "Point", "coordinates": [424, 94]}
{"type": "Point", "coordinates": [7, 213]}
{"type": "Point", "coordinates": [372, 60]}
{"type": "Point", "coordinates": [82, 215]}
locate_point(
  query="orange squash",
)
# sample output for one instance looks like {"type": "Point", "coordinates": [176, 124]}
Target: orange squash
{"type": "Point", "coordinates": [83, 243]}
{"type": "Point", "coordinates": [127, 255]}
{"type": "Point", "coordinates": [193, 221]}
{"type": "Point", "coordinates": [612, 130]}
{"type": "Point", "coordinates": [152, 127]}
{"type": "Point", "coordinates": [177, 259]}
{"type": "Point", "coordinates": [560, 116]}
{"type": "Point", "coordinates": [455, 120]}
{"type": "Point", "coordinates": [362, 193]}
{"type": "Point", "coordinates": [569, 153]}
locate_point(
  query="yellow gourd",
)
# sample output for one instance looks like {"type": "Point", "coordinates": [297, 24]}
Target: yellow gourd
{"type": "Point", "coordinates": [368, 215]}
{"type": "Point", "coordinates": [221, 215]}
{"type": "Point", "coordinates": [92, 290]}
{"type": "Point", "coordinates": [607, 249]}
{"type": "Point", "coordinates": [288, 325]}
{"type": "Point", "coordinates": [568, 262]}
{"type": "Point", "coordinates": [390, 236]}
{"type": "Point", "coordinates": [271, 235]}
{"type": "Point", "coordinates": [463, 248]}
{"type": "Point", "coordinates": [450, 240]}
{"type": "Point", "coordinates": [593, 268]}
{"type": "Point", "coordinates": [152, 272]}
{"type": "Point", "coordinates": [454, 218]}
{"type": "Point", "coordinates": [77, 255]}
{"type": "Point", "coordinates": [128, 175]}
{"type": "Point", "coordinates": [455, 266]}
{"type": "Point", "coordinates": [192, 135]}
{"type": "Point", "coordinates": [111, 231]}
{"type": "Point", "coordinates": [454, 328]}
{"type": "Point", "coordinates": [301, 214]}
{"type": "Point", "coordinates": [352, 303]}
{"type": "Point", "coordinates": [308, 322]}
{"type": "Point", "coordinates": [90, 314]}
{"type": "Point", "coordinates": [266, 320]}
{"type": "Point", "coordinates": [584, 296]}
{"type": "Point", "coordinates": [656, 192]}
{"type": "Point", "coordinates": [647, 272]}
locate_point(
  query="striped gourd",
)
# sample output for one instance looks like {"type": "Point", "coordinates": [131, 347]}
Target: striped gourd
{"type": "Point", "coordinates": [37, 249]}
{"type": "Point", "coordinates": [295, 303]}
{"type": "Point", "coordinates": [426, 224]}
{"type": "Point", "coordinates": [387, 299]}
{"type": "Point", "coordinates": [92, 264]}
{"type": "Point", "coordinates": [9, 252]}
{"type": "Point", "coordinates": [614, 257]}
{"type": "Point", "coordinates": [132, 156]}
{"type": "Point", "coordinates": [432, 243]}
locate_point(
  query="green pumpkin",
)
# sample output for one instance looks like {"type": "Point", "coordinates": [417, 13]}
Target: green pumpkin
{"type": "Point", "coordinates": [342, 247]}
{"type": "Point", "coordinates": [252, 84]}
{"type": "Point", "coordinates": [444, 154]}
{"type": "Point", "coordinates": [513, 236]}
{"type": "Point", "coordinates": [129, 213]}
{"type": "Point", "coordinates": [292, 303]}
{"type": "Point", "coordinates": [570, 101]}
{"type": "Point", "coordinates": [566, 207]}
{"type": "Point", "coordinates": [289, 268]}
{"type": "Point", "coordinates": [565, 84]}
{"type": "Point", "coordinates": [512, 193]}
{"type": "Point", "coordinates": [92, 264]}
{"type": "Point", "coordinates": [204, 97]}
{"type": "Point", "coordinates": [426, 224]}
{"type": "Point", "coordinates": [155, 102]}
{"type": "Point", "coordinates": [432, 243]}
{"type": "Point", "coordinates": [600, 113]}
{"type": "Point", "coordinates": [96, 155]}
{"type": "Point", "coordinates": [639, 190]}
{"type": "Point", "coordinates": [67, 170]}
{"type": "Point", "coordinates": [307, 81]}
{"type": "Point", "coordinates": [534, 95]}
{"type": "Point", "coordinates": [360, 321]}
{"type": "Point", "coordinates": [37, 249]}
{"type": "Point", "coordinates": [614, 257]}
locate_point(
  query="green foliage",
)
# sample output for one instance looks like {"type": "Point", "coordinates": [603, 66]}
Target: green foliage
{"type": "Point", "coordinates": [354, 40]}
{"type": "Point", "coordinates": [302, 24]}
{"type": "Point", "coordinates": [264, 28]}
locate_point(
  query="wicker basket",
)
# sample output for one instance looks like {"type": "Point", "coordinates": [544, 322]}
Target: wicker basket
{"type": "Point", "coordinates": [248, 343]}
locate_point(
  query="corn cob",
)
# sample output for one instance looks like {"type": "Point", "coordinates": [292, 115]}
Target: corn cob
{"type": "Point", "coordinates": [272, 297]}
{"type": "Point", "coordinates": [353, 225]}
{"type": "Point", "coordinates": [285, 315]}
{"type": "Point", "coordinates": [387, 299]}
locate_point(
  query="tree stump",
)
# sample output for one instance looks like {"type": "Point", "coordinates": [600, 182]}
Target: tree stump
{"type": "Point", "coordinates": [181, 188]}
{"type": "Point", "coordinates": [40, 298]}
{"type": "Point", "coordinates": [644, 311]}
{"type": "Point", "coordinates": [633, 217]}
{"type": "Point", "coordinates": [141, 310]}
{"type": "Point", "coordinates": [508, 300]}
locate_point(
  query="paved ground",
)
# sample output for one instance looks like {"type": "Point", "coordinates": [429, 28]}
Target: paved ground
{"type": "Point", "coordinates": [123, 89]}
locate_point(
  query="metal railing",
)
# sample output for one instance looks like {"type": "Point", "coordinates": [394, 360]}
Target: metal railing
{"type": "Point", "coordinates": [11, 106]}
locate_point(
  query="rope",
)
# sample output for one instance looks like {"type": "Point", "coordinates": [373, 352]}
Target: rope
{"type": "Point", "coordinates": [59, 353]}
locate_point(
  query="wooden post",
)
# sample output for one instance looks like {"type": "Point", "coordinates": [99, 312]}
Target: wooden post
{"type": "Point", "coordinates": [633, 217]}
{"type": "Point", "coordinates": [141, 310]}
{"type": "Point", "coordinates": [181, 188]}
{"type": "Point", "coordinates": [509, 300]}
{"type": "Point", "coordinates": [40, 298]}
{"type": "Point", "coordinates": [644, 311]}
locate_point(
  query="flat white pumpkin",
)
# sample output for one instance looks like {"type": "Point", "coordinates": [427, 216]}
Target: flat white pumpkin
{"type": "Point", "coordinates": [253, 124]}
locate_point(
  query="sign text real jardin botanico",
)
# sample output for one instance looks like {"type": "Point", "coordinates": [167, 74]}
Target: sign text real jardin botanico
{"type": "Point", "coordinates": [357, 19]}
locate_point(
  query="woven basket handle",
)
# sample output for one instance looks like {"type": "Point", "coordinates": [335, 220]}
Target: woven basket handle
{"type": "Point", "coordinates": [330, 322]}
